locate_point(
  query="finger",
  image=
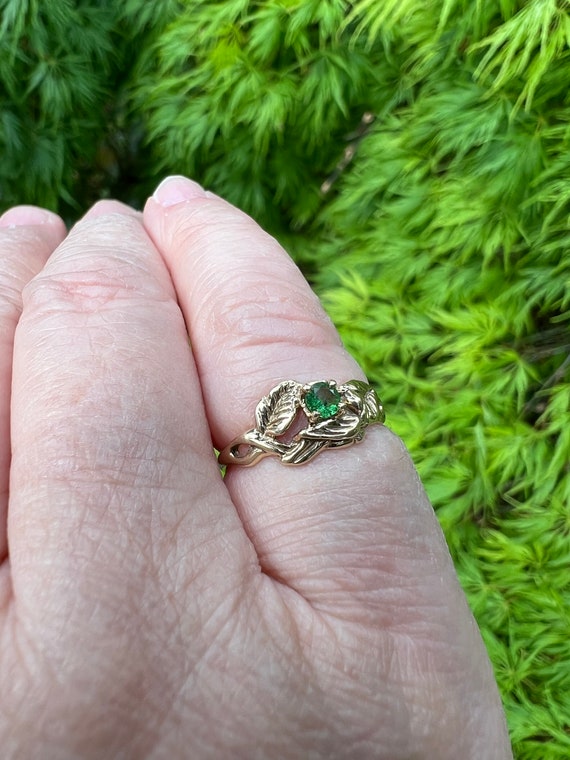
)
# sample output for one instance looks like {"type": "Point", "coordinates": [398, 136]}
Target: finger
{"type": "Point", "coordinates": [343, 529]}
{"type": "Point", "coordinates": [28, 235]}
{"type": "Point", "coordinates": [114, 482]}
{"type": "Point", "coordinates": [351, 531]}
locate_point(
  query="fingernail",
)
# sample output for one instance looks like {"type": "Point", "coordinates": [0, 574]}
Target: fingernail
{"type": "Point", "coordinates": [177, 189]}
{"type": "Point", "coordinates": [21, 216]}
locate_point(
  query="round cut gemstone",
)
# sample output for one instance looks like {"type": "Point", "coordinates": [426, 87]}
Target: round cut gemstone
{"type": "Point", "coordinates": [322, 399]}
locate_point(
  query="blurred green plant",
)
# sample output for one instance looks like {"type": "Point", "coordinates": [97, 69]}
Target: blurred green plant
{"type": "Point", "coordinates": [56, 61]}
{"type": "Point", "coordinates": [415, 157]}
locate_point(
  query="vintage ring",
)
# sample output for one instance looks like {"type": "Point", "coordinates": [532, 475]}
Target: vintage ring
{"type": "Point", "coordinates": [329, 416]}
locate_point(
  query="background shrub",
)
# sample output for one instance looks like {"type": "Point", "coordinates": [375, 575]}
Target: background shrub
{"type": "Point", "coordinates": [415, 157]}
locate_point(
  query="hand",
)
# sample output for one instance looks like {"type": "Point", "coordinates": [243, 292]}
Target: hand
{"type": "Point", "coordinates": [150, 608]}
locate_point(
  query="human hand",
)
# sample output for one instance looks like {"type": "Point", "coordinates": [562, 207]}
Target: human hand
{"type": "Point", "coordinates": [150, 608]}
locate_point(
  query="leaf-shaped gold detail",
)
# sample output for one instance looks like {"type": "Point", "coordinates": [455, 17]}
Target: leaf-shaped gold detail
{"type": "Point", "coordinates": [348, 426]}
{"type": "Point", "coordinates": [303, 451]}
{"type": "Point", "coordinates": [364, 399]}
{"type": "Point", "coordinates": [276, 411]}
{"type": "Point", "coordinates": [373, 407]}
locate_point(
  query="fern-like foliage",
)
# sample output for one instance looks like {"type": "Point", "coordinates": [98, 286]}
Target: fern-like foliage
{"type": "Point", "coordinates": [58, 66]}
{"type": "Point", "coordinates": [523, 49]}
{"type": "Point", "coordinates": [253, 98]}
{"type": "Point", "coordinates": [454, 290]}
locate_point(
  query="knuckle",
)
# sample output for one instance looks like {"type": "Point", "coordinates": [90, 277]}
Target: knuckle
{"type": "Point", "coordinates": [105, 260]}
{"type": "Point", "coordinates": [84, 290]}
{"type": "Point", "coordinates": [208, 224]}
{"type": "Point", "coordinates": [266, 316]}
{"type": "Point", "coordinates": [109, 207]}
{"type": "Point", "coordinates": [22, 252]}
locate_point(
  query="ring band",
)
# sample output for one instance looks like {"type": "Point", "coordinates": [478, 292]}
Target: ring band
{"type": "Point", "coordinates": [334, 416]}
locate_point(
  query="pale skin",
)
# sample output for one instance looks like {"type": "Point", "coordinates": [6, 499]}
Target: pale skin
{"type": "Point", "coordinates": [150, 609]}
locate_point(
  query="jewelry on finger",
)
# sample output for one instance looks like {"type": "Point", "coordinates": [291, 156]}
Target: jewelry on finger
{"type": "Point", "coordinates": [331, 416]}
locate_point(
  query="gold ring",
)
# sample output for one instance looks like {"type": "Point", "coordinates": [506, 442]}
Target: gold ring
{"type": "Point", "coordinates": [326, 416]}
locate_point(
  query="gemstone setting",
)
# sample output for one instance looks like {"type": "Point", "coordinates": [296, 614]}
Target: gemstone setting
{"type": "Point", "coordinates": [322, 400]}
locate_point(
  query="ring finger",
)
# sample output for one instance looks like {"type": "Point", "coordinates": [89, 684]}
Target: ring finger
{"type": "Point", "coordinates": [345, 528]}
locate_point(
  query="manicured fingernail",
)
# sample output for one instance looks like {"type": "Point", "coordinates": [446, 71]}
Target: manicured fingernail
{"type": "Point", "coordinates": [177, 189]}
{"type": "Point", "coordinates": [21, 216]}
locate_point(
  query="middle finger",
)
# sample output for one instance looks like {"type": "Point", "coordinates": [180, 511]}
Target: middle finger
{"type": "Point", "coordinates": [114, 482]}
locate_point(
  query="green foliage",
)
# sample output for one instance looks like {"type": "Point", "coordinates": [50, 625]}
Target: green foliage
{"type": "Point", "coordinates": [56, 63]}
{"type": "Point", "coordinates": [526, 46]}
{"type": "Point", "coordinates": [448, 273]}
{"type": "Point", "coordinates": [257, 103]}
{"type": "Point", "coordinates": [416, 158]}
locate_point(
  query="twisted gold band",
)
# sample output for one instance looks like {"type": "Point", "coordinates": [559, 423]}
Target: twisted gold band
{"type": "Point", "coordinates": [336, 416]}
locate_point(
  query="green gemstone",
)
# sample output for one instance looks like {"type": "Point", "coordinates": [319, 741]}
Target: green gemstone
{"type": "Point", "coordinates": [323, 400]}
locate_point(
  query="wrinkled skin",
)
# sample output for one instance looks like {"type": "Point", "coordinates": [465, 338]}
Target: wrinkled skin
{"type": "Point", "coordinates": [150, 609]}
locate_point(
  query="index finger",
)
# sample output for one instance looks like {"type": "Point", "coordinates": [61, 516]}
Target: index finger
{"type": "Point", "coordinates": [28, 235]}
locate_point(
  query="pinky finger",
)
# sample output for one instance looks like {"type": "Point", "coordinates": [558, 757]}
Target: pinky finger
{"type": "Point", "coordinates": [28, 235]}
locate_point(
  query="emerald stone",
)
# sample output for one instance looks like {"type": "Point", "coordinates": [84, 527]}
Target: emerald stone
{"type": "Point", "coordinates": [322, 399]}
